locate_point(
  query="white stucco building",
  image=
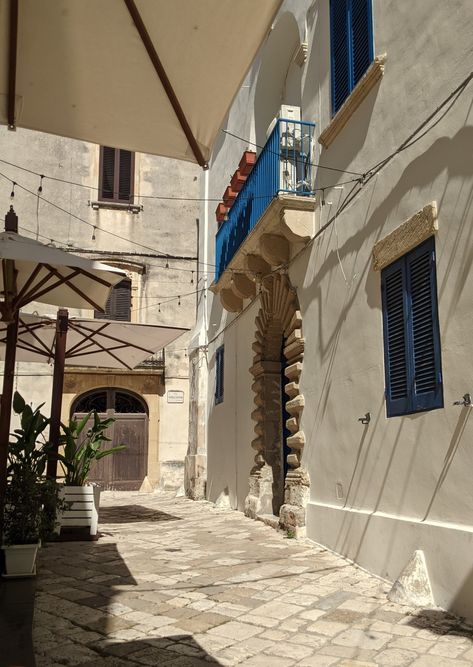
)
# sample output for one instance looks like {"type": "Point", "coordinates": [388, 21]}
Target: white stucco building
{"type": "Point", "coordinates": [332, 353]}
{"type": "Point", "coordinates": [137, 212]}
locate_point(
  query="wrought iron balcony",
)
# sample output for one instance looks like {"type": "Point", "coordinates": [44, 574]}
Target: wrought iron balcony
{"type": "Point", "coordinates": [156, 361]}
{"type": "Point", "coordinates": [283, 166]}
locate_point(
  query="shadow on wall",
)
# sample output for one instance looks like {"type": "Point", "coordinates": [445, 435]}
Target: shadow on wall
{"type": "Point", "coordinates": [443, 155]}
{"type": "Point", "coordinates": [278, 81]}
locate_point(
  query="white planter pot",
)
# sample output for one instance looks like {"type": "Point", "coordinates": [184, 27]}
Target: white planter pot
{"type": "Point", "coordinates": [20, 559]}
{"type": "Point", "coordinates": [83, 510]}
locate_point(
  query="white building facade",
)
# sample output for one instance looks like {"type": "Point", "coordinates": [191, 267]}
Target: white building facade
{"type": "Point", "coordinates": [331, 374]}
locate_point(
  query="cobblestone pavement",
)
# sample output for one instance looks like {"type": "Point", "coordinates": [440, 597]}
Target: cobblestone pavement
{"type": "Point", "coordinates": [179, 583]}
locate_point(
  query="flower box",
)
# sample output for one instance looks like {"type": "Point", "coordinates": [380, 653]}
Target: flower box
{"type": "Point", "coordinates": [81, 519]}
{"type": "Point", "coordinates": [221, 212]}
{"type": "Point", "coordinates": [247, 162]}
{"type": "Point", "coordinates": [20, 560]}
{"type": "Point", "coordinates": [229, 196]}
{"type": "Point", "coordinates": [238, 181]}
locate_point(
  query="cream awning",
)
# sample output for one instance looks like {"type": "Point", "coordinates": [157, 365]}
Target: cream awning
{"type": "Point", "coordinates": [156, 76]}
{"type": "Point", "coordinates": [92, 343]}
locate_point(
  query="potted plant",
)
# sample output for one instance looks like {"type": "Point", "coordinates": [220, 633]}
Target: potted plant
{"type": "Point", "coordinates": [83, 443]}
{"type": "Point", "coordinates": [31, 500]}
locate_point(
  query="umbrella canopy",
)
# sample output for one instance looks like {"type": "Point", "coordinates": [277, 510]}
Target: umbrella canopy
{"type": "Point", "coordinates": [48, 274]}
{"type": "Point", "coordinates": [156, 76]}
{"type": "Point", "coordinates": [99, 343]}
{"type": "Point", "coordinates": [31, 271]}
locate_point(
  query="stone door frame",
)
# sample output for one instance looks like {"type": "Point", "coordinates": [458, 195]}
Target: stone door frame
{"type": "Point", "coordinates": [279, 319]}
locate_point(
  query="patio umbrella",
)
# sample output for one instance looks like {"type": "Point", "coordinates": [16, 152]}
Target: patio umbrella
{"type": "Point", "coordinates": [156, 76]}
{"type": "Point", "coordinates": [91, 343]}
{"type": "Point", "coordinates": [82, 342]}
{"type": "Point", "coordinates": [31, 271]}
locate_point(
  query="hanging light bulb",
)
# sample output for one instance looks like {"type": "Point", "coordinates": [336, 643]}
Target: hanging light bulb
{"type": "Point", "coordinates": [192, 278]}
{"type": "Point", "coordinates": [178, 300]}
{"type": "Point", "coordinates": [93, 233]}
{"type": "Point", "coordinates": [40, 187]}
{"type": "Point", "coordinates": [159, 307]}
{"type": "Point", "coordinates": [167, 264]}
{"type": "Point", "coordinates": [12, 193]}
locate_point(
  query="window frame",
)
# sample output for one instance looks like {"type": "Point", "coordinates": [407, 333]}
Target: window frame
{"type": "Point", "coordinates": [111, 301]}
{"type": "Point", "coordinates": [219, 374]}
{"type": "Point", "coordinates": [350, 49]}
{"type": "Point", "coordinates": [116, 178]}
{"type": "Point", "coordinates": [412, 402]}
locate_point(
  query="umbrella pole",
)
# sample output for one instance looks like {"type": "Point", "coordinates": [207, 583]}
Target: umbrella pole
{"type": "Point", "coordinates": [6, 401]}
{"type": "Point", "coordinates": [62, 325]}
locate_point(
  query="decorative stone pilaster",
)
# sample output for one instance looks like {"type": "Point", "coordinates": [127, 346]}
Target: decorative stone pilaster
{"type": "Point", "coordinates": [278, 323]}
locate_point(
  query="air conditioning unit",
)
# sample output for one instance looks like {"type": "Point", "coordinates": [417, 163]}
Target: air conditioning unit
{"type": "Point", "coordinates": [286, 112]}
{"type": "Point", "coordinates": [293, 149]}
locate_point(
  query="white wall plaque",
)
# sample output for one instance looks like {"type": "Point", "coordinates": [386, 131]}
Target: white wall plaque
{"type": "Point", "coordinates": [175, 396]}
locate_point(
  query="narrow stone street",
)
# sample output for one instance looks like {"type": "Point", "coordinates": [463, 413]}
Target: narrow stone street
{"type": "Point", "coordinates": [179, 583]}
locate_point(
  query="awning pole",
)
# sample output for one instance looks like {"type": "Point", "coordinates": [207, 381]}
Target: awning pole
{"type": "Point", "coordinates": [62, 325]}
{"type": "Point", "coordinates": [13, 42]}
{"type": "Point", "coordinates": [6, 401]}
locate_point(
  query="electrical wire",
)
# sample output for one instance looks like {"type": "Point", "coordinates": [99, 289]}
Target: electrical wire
{"type": "Point", "coordinates": [309, 164]}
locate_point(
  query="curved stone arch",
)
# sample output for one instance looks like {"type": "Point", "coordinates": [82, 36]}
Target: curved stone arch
{"type": "Point", "coordinates": [278, 328]}
{"type": "Point", "coordinates": [277, 81]}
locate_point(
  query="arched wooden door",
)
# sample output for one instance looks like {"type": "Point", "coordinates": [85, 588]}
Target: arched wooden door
{"type": "Point", "coordinates": [127, 469]}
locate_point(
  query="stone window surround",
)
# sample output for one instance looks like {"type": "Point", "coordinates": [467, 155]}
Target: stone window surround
{"type": "Point", "coordinates": [372, 75]}
{"type": "Point", "coordinates": [407, 236]}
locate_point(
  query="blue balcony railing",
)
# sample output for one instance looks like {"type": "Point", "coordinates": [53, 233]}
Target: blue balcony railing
{"type": "Point", "coordinates": [284, 165]}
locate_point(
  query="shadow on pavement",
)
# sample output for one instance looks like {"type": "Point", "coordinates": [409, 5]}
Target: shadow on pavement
{"type": "Point", "coordinates": [179, 650]}
{"type": "Point", "coordinates": [16, 622]}
{"type": "Point", "coordinates": [133, 513]}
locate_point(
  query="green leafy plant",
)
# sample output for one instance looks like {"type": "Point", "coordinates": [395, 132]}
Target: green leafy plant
{"type": "Point", "coordinates": [31, 500]}
{"type": "Point", "coordinates": [83, 445]}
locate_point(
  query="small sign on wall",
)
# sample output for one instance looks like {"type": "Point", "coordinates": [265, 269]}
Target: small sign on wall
{"type": "Point", "coordinates": [175, 396]}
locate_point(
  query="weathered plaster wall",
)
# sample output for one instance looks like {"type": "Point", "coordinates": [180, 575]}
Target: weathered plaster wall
{"type": "Point", "coordinates": [380, 491]}
{"type": "Point", "coordinates": [136, 242]}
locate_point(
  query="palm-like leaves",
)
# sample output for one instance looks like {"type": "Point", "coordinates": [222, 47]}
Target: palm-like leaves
{"type": "Point", "coordinates": [83, 447]}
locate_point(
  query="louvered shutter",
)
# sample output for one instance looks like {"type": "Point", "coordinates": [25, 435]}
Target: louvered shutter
{"type": "Point", "coordinates": [125, 178]}
{"type": "Point", "coordinates": [339, 46]}
{"type": "Point", "coordinates": [396, 354]}
{"type": "Point", "coordinates": [424, 328]}
{"type": "Point", "coordinates": [351, 46]}
{"type": "Point", "coordinates": [219, 365]}
{"type": "Point", "coordinates": [362, 39]}
{"type": "Point", "coordinates": [118, 306]}
{"type": "Point", "coordinates": [107, 175]}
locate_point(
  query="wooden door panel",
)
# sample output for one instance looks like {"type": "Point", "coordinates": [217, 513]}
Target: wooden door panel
{"type": "Point", "coordinates": [129, 466]}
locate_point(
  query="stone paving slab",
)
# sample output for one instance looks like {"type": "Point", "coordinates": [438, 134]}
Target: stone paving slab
{"type": "Point", "coordinates": [179, 583]}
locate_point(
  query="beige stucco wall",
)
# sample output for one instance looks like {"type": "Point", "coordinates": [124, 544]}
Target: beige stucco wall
{"type": "Point", "coordinates": [139, 243]}
{"type": "Point", "coordinates": [405, 482]}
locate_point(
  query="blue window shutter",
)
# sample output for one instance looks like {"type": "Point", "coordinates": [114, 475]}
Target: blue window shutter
{"type": "Point", "coordinates": [362, 38]}
{"type": "Point", "coordinates": [340, 52]}
{"type": "Point", "coordinates": [424, 328]}
{"type": "Point", "coordinates": [397, 372]}
{"type": "Point", "coordinates": [351, 46]}
{"type": "Point", "coordinates": [219, 366]}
